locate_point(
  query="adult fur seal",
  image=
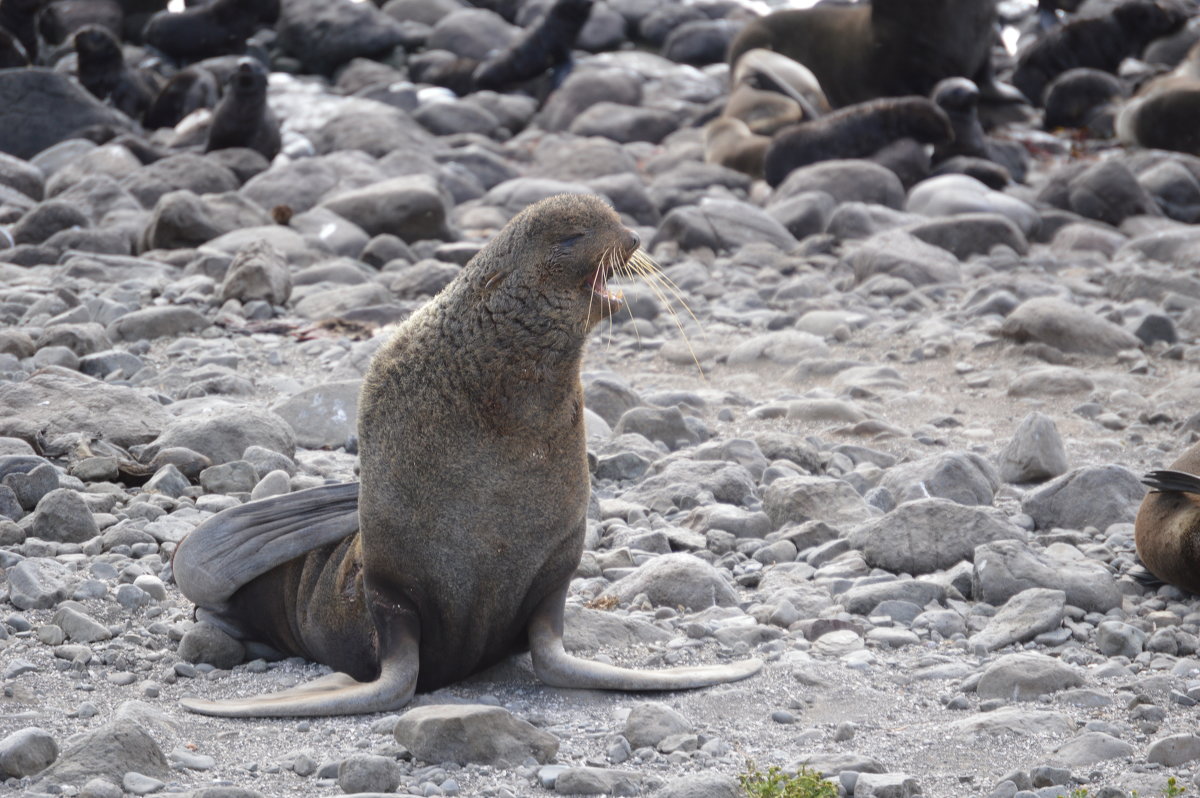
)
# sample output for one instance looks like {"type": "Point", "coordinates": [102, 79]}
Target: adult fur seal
{"type": "Point", "coordinates": [459, 545]}
{"type": "Point", "coordinates": [887, 48]}
{"type": "Point", "coordinates": [1167, 528]}
{"type": "Point", "coordinates": [243, 118]}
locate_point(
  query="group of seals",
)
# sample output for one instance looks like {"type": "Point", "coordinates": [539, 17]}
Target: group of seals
{"type": "Point", "coordinates": [886, 48]}
{"type": "Point", "coordinates": [1099, 42]}
{"type": "Point", "coordinates": [1167, 528]}
{"type": "Point", "coordinates": [459, 544]}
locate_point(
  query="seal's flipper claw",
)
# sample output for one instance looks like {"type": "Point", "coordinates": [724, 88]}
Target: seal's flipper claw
{"type": "Point", "coordinates": [1169, 481]}
{"type": "Point", "coordinates": [237, 545]}
{"type": "Point", "coordinates": [554, 666]}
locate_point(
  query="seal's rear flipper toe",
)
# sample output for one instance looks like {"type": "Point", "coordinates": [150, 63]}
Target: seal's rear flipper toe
{"type": "Point", "coordinates": [237, 545]}
{"type": "Point", "coordinates": [1167, 480]}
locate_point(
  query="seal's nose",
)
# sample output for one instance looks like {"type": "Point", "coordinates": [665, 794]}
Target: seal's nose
{"type": "Point", "coordinates": [632, 240]}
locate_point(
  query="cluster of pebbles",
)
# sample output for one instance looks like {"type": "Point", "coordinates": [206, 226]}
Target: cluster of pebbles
{"type": "Point", "coordinates": [887, 440]}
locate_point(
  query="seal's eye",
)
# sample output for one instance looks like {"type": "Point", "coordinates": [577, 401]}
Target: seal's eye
{"type": "Point", "coordinates": [570, 241]}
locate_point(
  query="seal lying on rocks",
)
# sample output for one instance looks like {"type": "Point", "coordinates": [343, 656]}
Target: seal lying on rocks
{"type": "Point", "coordinates": [1167, 528]}
{"type": "Point", "coordinates": [459, 545]}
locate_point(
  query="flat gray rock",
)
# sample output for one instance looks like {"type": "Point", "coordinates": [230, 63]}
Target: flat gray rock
{"type": "Point", "coordinates": [927, 535]}
{"type": "Point", "coordinates": [1025, 676]}
{"type": "Point", "coordinates": [324, 416]}
{"type": "Point", "coordinates": [794, 500]}
{"type": "Point", "coordinates": [676, 580]}
{"type": "Point", "coordinates": [1023, 617]}
{"type": "Point", "coordinates": [1090, 748]}
{"type": "Point", "coordinates": [1005, 568]}
{"type": "Point", "coordinates": [1097, 496]}
{"type": "Point", "coordinates": [110, 751]}
{"type": "Point", "coordinates": [57, 402]}
{"type": "Point", "coordinates": [1066, 326]}
{"type": "Point", "coordinates": [466, 733]}
{"type": "Point", "coordinates": [225, 434]}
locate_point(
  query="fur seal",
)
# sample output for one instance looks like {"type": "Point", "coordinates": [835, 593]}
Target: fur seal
{"type": "Point", "coordinates": [888, 48]}
{"type": "Point", "coordinates": [104, 73]}
{"type": "Point", "coordinates": [191, 88]}
{"type": "Point", "coordinates": [1100, 42]}
{"type": "Point", "coordinates": [543, 47]}
{"type": "Point", "coordinates": [243, 118]}
{"type": "Point", "coordinates": [768, 92]}
{"type": "Point", "coordinates": [1165, 111]}
{"type": "Point", "coordinates": [19, 19]}
{"type": "Point", "coordinates": [855, 132]}
{"type": "Point", "coordinates": [1167, 527]}
{"type": "Point", "coordinates": [460, 544]}
{"type": "Point", "coordinates": [205, 31]}
{"type": "Point", "coordinates": [60, 19]}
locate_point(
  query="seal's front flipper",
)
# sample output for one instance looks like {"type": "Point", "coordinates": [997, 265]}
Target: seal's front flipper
{"type": "Point", "coordinates": [554, 666]}
{"type": "Point", "coordinates": [336, 693]}
{"type": "Point", "coordinates": [237, 545]}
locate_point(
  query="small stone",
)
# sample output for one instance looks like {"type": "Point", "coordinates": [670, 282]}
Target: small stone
{"type": "Point", "coordinates": [1115, 638]}
{"type": "Point", "coordinates": [26, 752]}
{"type": "Point", "coordinates": [368, 773]}
{"type": "Point", "coordinates": [1035, 452]}
{"type": "Point", "coordinates": [62, 515]}
{"type": "Point", "coordinates": [649, 723]}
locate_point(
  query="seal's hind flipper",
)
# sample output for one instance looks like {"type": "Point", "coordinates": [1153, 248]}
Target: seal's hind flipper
{"type": "Point", "coordinates": [237, 545]}
{"type": "Point", "coordinates": [337, 693]}
{"type": "Point", "coordinates": [1166, 480]}
{"type": "Point", "coordinates": [554, 666]}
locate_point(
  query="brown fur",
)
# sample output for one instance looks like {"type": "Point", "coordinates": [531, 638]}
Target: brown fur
{"type": "Point", "coordinates": [473, 460]}
{"type": "Point", "coordinates": [1167, 529]}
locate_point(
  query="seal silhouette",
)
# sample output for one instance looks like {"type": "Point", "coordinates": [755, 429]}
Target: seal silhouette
{"type": "Point", "coordinates": [458, 546]}
{"type": "Point", "coordinates": [1167, 527]}
{"type": "Point", "coordinates": [242, 117]}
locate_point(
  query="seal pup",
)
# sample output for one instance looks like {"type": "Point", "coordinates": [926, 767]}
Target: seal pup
{"type": "Point", "coordinates": [104, 73]}
{"type": "Point", "coordinates": [19, 19]}
{"type": "Point", "coordinates": [1166, 531]}
{"type": "Point", "coordinates": [189, 89]}
{"type": "Point", "coordinates": [243, 118]}
{"type": "Point", "coordinates": [1101, 42]}
{"type": "Point", "coordinates": [217, 28]}
{"type": "Point", "coordinates": [887, 48]}
{"type": "Point", "coordinates": [855, 132]}
{"type": "Point", "coordinates": [459, 545]}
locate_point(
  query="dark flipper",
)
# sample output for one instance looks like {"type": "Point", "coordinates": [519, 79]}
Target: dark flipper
{"type": "Point", "coordinates": [237, 545]}
{"type": "Point", "coordinates": [1166, 480]}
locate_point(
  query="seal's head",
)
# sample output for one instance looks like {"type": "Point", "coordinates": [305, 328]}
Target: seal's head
{"type": "Point", "coordinates": [249, 80]}
{"type": "Point", "coordinates": [97, 46]}
{"type": "Point", "coordinates": [559, 255]}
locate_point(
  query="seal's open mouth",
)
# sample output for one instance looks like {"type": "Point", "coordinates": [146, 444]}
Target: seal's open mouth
{"type": "Point", "coordinates": [598, 280]}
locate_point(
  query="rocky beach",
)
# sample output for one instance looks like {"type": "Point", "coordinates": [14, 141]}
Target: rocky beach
{"type": "Point", "coordinates": [884, 431]}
